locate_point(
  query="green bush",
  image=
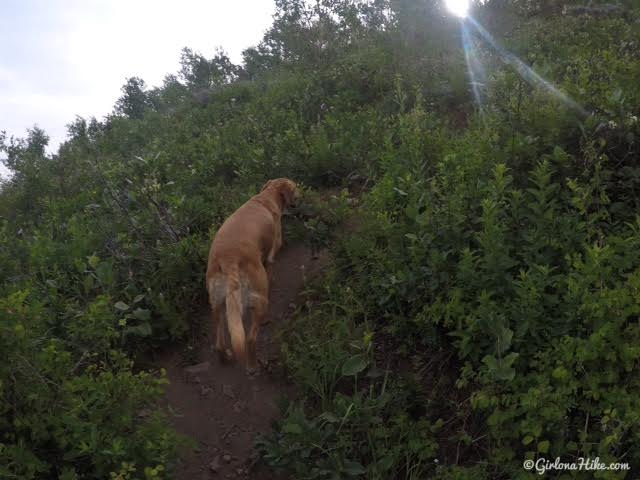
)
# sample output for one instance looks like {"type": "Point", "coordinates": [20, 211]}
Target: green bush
{"type": "Point", "coordinates": [68, 412]}
{"type": "Point", "coordinates": [354, 419]}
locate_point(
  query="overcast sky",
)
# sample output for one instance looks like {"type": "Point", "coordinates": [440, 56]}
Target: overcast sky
{"type": "Point", "coordinates": [62, 58]}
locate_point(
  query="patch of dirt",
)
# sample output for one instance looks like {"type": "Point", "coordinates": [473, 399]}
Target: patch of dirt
{"type": "Point", "coordinates": [218, 405]}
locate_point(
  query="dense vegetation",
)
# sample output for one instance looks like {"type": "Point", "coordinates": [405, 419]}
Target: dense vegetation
{"type": "Point", "coordinates": [483, 303]}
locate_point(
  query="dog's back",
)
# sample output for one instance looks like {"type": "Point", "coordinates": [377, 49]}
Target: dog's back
{"type": "Point", "coordinates": [246, 236]}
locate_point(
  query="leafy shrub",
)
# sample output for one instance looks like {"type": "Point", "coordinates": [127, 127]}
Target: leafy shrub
{"type": "Point", "coordinates": [354, 419]}
{"type": "Point", "coordinates": [74, 415]}
{"type": "Point", "coordinates": [530, 279]}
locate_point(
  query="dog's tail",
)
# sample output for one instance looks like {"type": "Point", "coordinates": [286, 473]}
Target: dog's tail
{"type": "Point", "coordinates": [234, 312]}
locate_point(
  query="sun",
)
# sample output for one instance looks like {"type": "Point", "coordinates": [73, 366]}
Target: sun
{"type": "Point", "coordinates": [458, 7]}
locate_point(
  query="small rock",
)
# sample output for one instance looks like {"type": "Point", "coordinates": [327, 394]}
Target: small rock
{"type": "Point", "coordinates": [239, 406]}
{"type": "Point", "coordinates": [199, 368]}
{"type": "Point", "coordinates": [239, 471]}
{"type": "Point", "coordinates": [228, 391]}
{"type": "Point", "coordinates": [227, 458]}
{"type": "Point", "coordinates": [214, 466]}
{"type": "Point", "coordinates": [205, 390]}
{"type": "Point", "coordinates": [197, 380]}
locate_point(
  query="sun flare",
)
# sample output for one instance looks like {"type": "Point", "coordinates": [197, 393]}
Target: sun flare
{"type": "Point", "coordinates": [458, 7]}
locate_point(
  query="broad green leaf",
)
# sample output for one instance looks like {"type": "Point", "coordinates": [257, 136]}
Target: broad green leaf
{"type": "Point", "coordinates": [543, 447]}
{"type": "Point", "coordinates": [142, 314]}
{"type": "Point", "coordinates": [329, 417]}
{"type": "Point", "coordinates": [93, 261]}
{"type": "Point", "coordinates": [490, 361]}
{"type": "Point", "coordinates": [353, 469]}
{"type": "Point", "coordinates": [292, 428]}
{"type": "Point", "coordinates": [142, 330]}
{"type": "Point", "coordinates": [121, 306]}
{"type": "Point", "coordinates": [354, 365]}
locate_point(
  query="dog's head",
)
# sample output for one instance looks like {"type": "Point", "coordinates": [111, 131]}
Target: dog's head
{"type": "Point", "coordinates": [287, 190]}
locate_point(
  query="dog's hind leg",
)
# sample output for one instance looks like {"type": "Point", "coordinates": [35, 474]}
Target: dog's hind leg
{"type": "Point", "coordinates": [258, 310]}
{"type": "Point", "coordinates": [259, 285]}
{"type": "Point", "coordinates": [217, 303]}
{"type": "Point", "coordinates": [218, 317]}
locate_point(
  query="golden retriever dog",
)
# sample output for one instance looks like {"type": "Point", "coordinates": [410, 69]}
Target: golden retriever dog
{"type": "Point", "coordinates": [237, 280]}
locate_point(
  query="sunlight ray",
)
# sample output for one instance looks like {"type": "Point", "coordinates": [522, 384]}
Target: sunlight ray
{"type": "Point", "coordinates": [526, 72]}
{"type": "Point", "coordinates": [476, 70]}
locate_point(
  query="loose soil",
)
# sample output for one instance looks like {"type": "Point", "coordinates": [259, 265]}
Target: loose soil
{"type": "Point", "coordinates": [218, 405]}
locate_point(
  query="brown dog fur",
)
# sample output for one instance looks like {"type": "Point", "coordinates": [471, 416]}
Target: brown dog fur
{"type": "Point", "coordinates": [236, 276]}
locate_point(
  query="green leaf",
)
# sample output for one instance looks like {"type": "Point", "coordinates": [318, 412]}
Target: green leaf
{"type": "Point", "coordinates": [504, 338]}
{"type": "Point", "coordinates": [386, 463]}
{"type": "Point", "coordinates": [293, 428]}
{"type": "Point", "coordinates": [490, 361]}
{"type": "Point", "coordinates": [139, 298]}
{"type": "Point", "coordinates": [329, 417]}
{"type": "Point", "coordinates": [142, 314]}
{"type": "Point", "coordinates": [354, 365]}
{"type": "Point", "coordinates": [121, 306]}
{"type": "Point", "coordinates": [505, 374]}
{"type": "Point", "coordinates": [508, 360]}
{"type": "Point", "coordinates": [616, 95]}
{"type": "Point", "coordinates": [104, 272]}
{"type": "Point", "coordinates": [93, 261]}
{"type": "Point", "coordinates": [353, 469]}
{"type": "Point", "coordinates": [543, 447]}
{"type": "Point", "coordinates": [142, 330]}
{"type": "Point", "coordinates": [527, 440]}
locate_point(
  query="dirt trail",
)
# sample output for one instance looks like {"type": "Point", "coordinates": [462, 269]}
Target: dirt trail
{"type": "Point", "coordinates": [218, 405]}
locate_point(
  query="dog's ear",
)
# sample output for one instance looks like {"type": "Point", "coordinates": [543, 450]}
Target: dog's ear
{"type": "Point", "coordinates": [287, 193]}
{"type": "Point", "coordinates": [266, 185]}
